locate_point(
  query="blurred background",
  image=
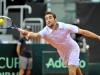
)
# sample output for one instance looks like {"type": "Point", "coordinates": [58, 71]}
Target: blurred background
{"type": "Point", "coordinates": [83, 13]}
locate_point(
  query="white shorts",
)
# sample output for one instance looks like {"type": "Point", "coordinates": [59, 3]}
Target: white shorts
{"type": "Point", "coordinates": [72, 58]}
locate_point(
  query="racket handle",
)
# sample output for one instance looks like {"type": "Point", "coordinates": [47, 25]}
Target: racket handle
{"type": "Point", "coordinates": [14, 28]}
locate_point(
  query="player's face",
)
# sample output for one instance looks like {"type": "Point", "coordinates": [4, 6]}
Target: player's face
{"type": "Point", "coordinates": [50, 21]}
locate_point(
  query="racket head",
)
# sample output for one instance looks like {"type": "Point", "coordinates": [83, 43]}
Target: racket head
{"type": "Point", "coordinates": [7, 22]}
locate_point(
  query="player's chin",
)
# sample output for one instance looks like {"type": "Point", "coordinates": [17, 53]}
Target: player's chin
{"type": "Point", "coordinates": [49, 25]}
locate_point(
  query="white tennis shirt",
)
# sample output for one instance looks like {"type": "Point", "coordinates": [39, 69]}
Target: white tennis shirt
{"type": "Point", "coordinates": [61, 39]}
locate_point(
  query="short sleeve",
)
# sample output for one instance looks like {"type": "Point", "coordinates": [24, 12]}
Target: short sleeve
{"type": "Point", "coordinates": [43, 32]}
{"type": "Point", "coordinates": [73, 28]}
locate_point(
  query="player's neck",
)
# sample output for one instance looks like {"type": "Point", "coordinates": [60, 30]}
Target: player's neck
{"type": "Point", "coordinates": [55, 26]}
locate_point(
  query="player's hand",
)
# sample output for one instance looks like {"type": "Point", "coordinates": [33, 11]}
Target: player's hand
{"type": "Point", "coordinates": [23, 32]}
{"type": "Point", "coordinates": [29, 35]}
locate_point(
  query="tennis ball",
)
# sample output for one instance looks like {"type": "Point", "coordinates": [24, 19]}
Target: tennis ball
{"type": "Point", "coordinates": [1, 21]}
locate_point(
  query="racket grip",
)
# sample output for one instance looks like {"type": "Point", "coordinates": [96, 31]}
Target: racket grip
{"type": "Point", "coordinates": [14, 28]}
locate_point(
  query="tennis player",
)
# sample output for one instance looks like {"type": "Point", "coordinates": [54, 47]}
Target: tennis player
{"type": "Point", "coordinates": [58, 35]}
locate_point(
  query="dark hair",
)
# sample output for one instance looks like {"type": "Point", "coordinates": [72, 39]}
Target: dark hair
{"type": "Point", "coordinates": [51, 14]}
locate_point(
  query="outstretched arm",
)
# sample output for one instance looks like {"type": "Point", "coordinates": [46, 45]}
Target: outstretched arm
{"type": "Point", "coordinates": [29, 35]}
{"type": "Point", "coordinates": [88, 34]}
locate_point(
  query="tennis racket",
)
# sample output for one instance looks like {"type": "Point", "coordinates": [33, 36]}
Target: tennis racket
{"type": "Point", "coordinates": [7, 23]}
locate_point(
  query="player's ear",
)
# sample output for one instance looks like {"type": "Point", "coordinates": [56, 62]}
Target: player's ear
{"type": "Point", "coordinates": [55, 19]}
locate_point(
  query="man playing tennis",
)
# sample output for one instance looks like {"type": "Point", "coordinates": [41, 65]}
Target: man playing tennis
{"type": "Point", "coordinates": [58, 35]}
